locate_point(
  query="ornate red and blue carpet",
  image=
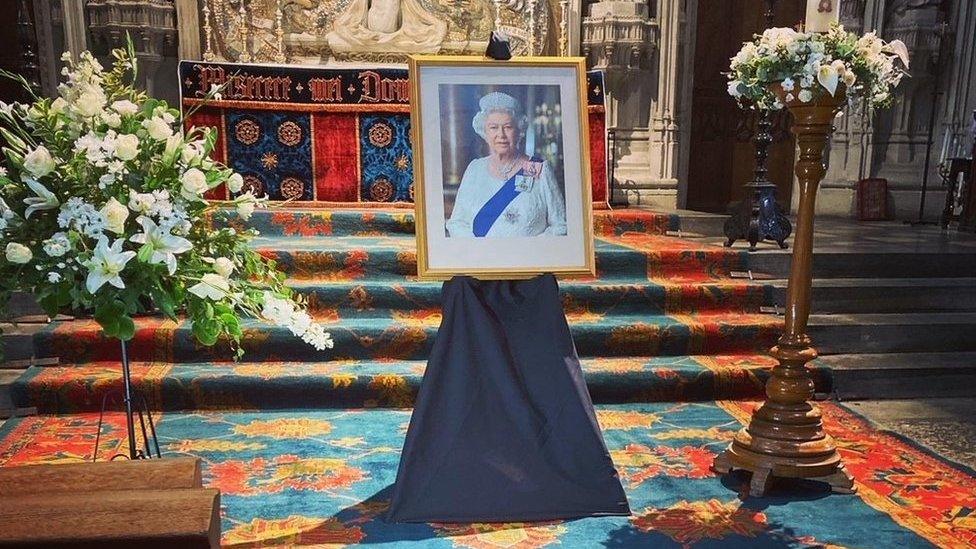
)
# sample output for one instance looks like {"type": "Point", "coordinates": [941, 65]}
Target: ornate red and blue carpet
{"type": "Point", "coordinates": [321, 478]}
{"type": "Point", "coordinates": [304, 445]}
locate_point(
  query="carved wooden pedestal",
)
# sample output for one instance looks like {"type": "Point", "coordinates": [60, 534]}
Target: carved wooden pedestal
{"type": "Point", "coordinates": [785, 437]}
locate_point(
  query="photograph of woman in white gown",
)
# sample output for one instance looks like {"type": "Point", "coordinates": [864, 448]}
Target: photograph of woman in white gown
{"type": "Point", "coordinates": [501, 167]}
{"type": "Point", "coordinates": [511, 191]}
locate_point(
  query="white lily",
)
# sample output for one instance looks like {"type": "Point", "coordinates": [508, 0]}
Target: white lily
{"type": "Point", "coordinates": [106, 264]}
{"type": "Point", "coordinates": [211, 286]}
{"type": "Point", "coordinates": [45, 199]}
{"type": "Point", "coordinates": [165, 245]}
{"type": "Point", "coordinates": [828, 77]}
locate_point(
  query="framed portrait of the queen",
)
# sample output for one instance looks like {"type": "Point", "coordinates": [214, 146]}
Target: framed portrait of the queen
{"type": "Point", "coordinates": [501, 167]}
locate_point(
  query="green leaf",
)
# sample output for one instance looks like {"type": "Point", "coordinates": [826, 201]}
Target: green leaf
{"type": "Point", "coordinates": [13, 140]}
{"type": "Point", "coordinates": [164, 301]}
{"type": "Point", "coordinates": [145, 253]}
{"type": "Point", "coordinates": [206, 331]}
{"type": "Point", "coordinates": [127, 328]}
{"type": "Point", "coordinates": [232, 324]}
{"type": "Point", "coordinates": [107, 317]}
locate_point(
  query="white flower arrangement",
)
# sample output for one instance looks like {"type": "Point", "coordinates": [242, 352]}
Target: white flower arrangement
{"type": "Point", "coordinates": [805, 65]}
{"type": "Point", "coordinates": [103, 210]}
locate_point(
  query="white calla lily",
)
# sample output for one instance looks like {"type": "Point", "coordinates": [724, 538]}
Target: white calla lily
{"type": "Point", "coordinates": [211, 286]}
{"type": "Point", "coordinates": [106, 265]}
{"type": "Point", "coordinates": [828, 78]}
{"type": "Point", "coordinates": [165, 245]}
{"type": "Point", "coordinates": [45, 199]}
{"type": "Point", "coordinates": [900, 50]}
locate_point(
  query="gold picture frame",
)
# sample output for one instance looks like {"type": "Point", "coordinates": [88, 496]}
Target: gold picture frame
{"type": "Point", "coordinates": [510, 256]}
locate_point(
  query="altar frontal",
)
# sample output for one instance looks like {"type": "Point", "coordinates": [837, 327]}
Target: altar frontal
{"type": "Point", "coordinates": [324, 136]}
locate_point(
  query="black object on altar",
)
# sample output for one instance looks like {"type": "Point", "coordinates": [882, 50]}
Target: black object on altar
{"type": "Point", "coordinates": [503, 428]}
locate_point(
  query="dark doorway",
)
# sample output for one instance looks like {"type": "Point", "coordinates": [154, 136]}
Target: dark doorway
{"type": "Point", "coordinates": [722, 155]}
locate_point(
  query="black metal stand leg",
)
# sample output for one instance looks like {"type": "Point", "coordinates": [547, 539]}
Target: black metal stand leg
{"type": "Point", "coordinates": [127, 399]}
{"type": "Point", "coordinates": [132, 407]}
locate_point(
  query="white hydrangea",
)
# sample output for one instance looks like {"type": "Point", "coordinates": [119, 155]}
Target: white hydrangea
{"type": "Point", "coordinates": [57, 245]}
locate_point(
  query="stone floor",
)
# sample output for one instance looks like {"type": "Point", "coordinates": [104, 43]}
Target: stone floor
{"type": "Point", "coordinates": [946, 425]}
{"type": "Point", "coordinates": [836, 234]}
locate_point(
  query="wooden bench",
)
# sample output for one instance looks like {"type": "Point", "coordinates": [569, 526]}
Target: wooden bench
{"type": "Point", "coordinates": [145, 503]}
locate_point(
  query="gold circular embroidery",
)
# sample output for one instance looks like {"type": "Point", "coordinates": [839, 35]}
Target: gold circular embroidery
{"type": "Point", "coordinates": [247, 131]}
{"type": "Point", "coordinates": [380, 134]}
{"type": "Point", "coordinates": [381, 190]}
{"type": "Point", "coordinates": [253, 184]}
{"type": "Point", "coordinates": [292, 188]}
{"type": "Point", "coordinates": [289, 133]}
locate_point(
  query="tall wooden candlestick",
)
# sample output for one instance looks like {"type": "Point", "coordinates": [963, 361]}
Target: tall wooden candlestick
{"type": "Point", "coordinates": [785, 437]}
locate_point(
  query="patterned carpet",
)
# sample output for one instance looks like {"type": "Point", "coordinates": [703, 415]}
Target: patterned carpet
{"type": "Point", "coordinates": [304, 445]}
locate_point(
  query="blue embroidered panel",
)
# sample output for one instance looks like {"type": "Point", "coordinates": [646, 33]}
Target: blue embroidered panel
{"type": "Point", "coordinates": [387, 163]}
{"type": "Point", "coordinates": [273, 152]}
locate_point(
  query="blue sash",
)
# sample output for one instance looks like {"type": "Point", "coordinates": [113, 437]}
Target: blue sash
{"type": "Point", "coordinates": [490, 212]}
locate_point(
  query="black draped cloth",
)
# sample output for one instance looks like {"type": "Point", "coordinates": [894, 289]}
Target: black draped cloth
{"type": "Point", "coordinates": [503, 429]}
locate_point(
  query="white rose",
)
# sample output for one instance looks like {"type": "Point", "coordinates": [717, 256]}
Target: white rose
{"type": "Point", "coordinates": [235, 183]}
{"type": "Point", "coordinates": [18, 253]}
{"type": "Point", "coordinates": [126, 146]}
{"type": "Point", "coordinates": [112, 119]}
{"type": "Point", "coordinates": [805, 96]}
{"type": "Point", "coordinates": [194, 184]}
{"type": "Point", "coordinates": [125, 107]}
{"type": "Point", "coordinates": [158, 128]}
{"type": "Point", "coordinates": [223, 266]}
{"type": "Point", "coordinates": [90, 103]}
{"type": "Point", "coordinates": [115, 214]}
{"type": "Point", "coordinates": [245, 209]}
{"type": "Point", "coordinates": [141, 202]}
{"type": "Point", "coordinates": [849, 78]}
{"type": "Point", "coordinates": [58, 105]}
{"type": "Point", "coordinates": [39, 162]}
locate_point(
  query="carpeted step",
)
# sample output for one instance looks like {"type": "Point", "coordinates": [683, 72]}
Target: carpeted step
{"type": "Point", "coordinates": [339, 384]}
{"type": "Point", "coordinates": [293, 478]}
{"type": "Point", "coordinates": [410, 336]}
{"type": "Point", "coordinates": [386, 257]}
{"type": "Point", "coordinates": [369, 299]}
{"type": "Point", "coordinates": [377, 221]}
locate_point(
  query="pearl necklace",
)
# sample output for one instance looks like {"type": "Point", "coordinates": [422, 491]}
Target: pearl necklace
{"type": "Point", "coordinates": [507, 171]}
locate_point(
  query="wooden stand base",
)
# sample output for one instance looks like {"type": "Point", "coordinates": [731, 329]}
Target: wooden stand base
{"type": "Point", "coordinates": [763, 469]}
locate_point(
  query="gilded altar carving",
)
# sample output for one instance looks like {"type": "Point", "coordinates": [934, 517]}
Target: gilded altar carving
{"type": "Point", "coordinates": [381, 31]}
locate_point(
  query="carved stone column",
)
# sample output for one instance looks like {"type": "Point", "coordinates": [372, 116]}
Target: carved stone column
{"type": "Point", "coordinates": [75, 30]}
{"type": "Point", "coordinates": [188, 18]}
{"type": "Point", "coordinates": [619, 38]}
{"type": "Point", "coordinates": [664, 114]}
{"type": "Point", "coordinates": [152, 26]}
{"type": "Point", "coordinates": [849, 153]}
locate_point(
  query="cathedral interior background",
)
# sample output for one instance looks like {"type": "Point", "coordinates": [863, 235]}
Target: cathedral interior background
{"type": "Point", "coordinates": [678, 139]}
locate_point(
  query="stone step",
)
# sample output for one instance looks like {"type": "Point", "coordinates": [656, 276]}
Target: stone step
{"type": "Point", "coordinates": [410, 337]}
{"type": "Point", "coordinates": [886, 295]}
{"type": "Point", "coordinates": [228, 385]}
{"type": "Point", "coordinates": [902, 375]}
{"type": "Point", "coordinates": [893, 333]}
{"type": "Point", "coordinates": [309, 222]}
{"type": "Point", "coordinates": [850, 263]}
{"type": "Point", "coordinates": [7, 378]}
